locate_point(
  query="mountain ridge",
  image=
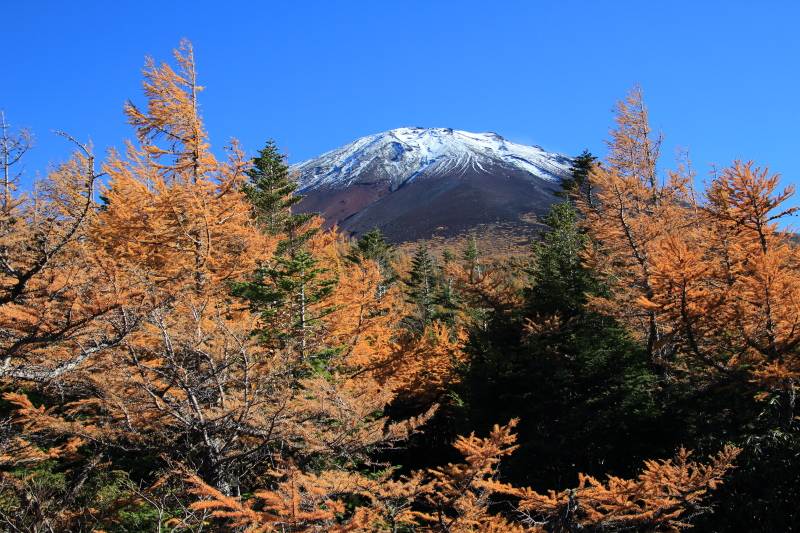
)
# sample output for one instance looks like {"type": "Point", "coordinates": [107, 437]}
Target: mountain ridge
{"type": "Point", "coordinates": [416, 182]}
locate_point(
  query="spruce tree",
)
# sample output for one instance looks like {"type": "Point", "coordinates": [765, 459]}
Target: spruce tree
{"type": "Point", "coordinates": [421, 289]}
{"type": "Point", "coordinates": [567, 372]}
{"type": "Point", "coordinates": [271, 190]}
{"type": "Point", "coordinates": [577, 185]}
{"type": "Point", "coordinates": [372, 246]}
{"type": "Point", "coordinates": [289, 291]}
{"type": "Point", "coordinates": [559, 281]}
{"type": "Point", "coordinates": [447, 298]}
{"type": "Point", "coordinates": [471, 259]}
{"type": "Point", "coordinates": [289, 295]}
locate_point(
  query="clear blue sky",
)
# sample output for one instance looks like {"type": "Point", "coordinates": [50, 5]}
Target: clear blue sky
{"type": "Point", "coordinates": [721, 77]}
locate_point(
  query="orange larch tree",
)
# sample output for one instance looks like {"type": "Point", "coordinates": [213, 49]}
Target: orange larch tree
{"type": "Point", "coordinates": [728, 285]}
{"type": "Point", "coordinates": [60, 303]}
{"type": "Point", "coordinates": [709, 281]}
{"type": "Point", "coordinates": [632, 210]}
{"type": "Point", "coordinates": [464, 497]}
{"type": "Point", "coordinates": [666, 496]}
{"type": "Point", "coordinates": [194, 384]}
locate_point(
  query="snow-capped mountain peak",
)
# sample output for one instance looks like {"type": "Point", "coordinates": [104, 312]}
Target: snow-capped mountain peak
{"type": "Point", "coordinates": [402, 155]}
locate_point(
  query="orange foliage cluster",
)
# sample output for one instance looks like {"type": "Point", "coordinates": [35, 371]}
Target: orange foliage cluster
{"type": "Point", "coordinates": [60, 298]}
{"type": "Point", "coordinates": [708, 282]}
{"type": "Point", "coordinates": [664, 496]}
{"type": "Point", "coordinates": [174, 231]}
{"type": "Point", "coordinates": [458, 498]}
{"type": "Point", "coordinates": [424, 366]}
{"type": "Point", "coordinates": [125, 308]}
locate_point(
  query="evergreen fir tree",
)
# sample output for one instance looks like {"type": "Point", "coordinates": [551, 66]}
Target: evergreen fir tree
{"type": "Point", "coordinates": [447, 301]}
{"type": "Point", "coordinates": [577, 184]}
{"type": "Point", "coordinates": [568, 373]}
{"type": "Point", "coordinates": [559, 281]}
{"type": "Point", "coordinates": [471, 259]}
{"type": "Point", "coordinates": [289, 295]}
{"type": "Point", "coordinates": [372, 246]}
{"type": "Point", "coordinates": [271, 191]}
{"type": "Point", "coordinates": [448, 256]}
{"type": "Point", "coordinates": [289, 291]}
{"type": "Point", "coordinates": [421, 289]}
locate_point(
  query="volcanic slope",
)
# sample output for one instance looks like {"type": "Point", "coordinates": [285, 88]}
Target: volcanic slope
{"type": "Point", "coordinates": [416, 183]}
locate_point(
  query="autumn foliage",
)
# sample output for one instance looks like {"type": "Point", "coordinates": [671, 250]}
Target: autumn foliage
{"type": "Point", "coordinates": [709, 281]}
{"type": "Point", "coordinates": [156, 315]}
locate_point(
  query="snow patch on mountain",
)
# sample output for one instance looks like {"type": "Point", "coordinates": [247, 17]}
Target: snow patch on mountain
{"type": "Point", "coordinates": [405, 154]}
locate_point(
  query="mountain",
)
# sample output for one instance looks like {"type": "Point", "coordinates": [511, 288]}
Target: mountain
{"type": "Point", "coordinates": [414, 183]}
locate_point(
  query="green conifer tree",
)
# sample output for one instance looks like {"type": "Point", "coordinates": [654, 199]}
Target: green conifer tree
{"type": "Point", "coordinates": [559, 281]}
{"type": "Point", "coordinates": [447, 299]}
{"type": "Point", "coordinates": [471, 259]}
{"type": "Point", "coordinates": [577, 185]}
{"type": "Point", "coordinates": [271, 190]}
{"type": "Point", "coordinates": [372, 246]}
{"type": "Point", "coordinates": [567, 372]}
{"type": "Point", "coordinates": [285, 291]}
{"type": "Point", "coordinates": [285, 294]}
{"type": "Point", "coordinates": [421, 289]}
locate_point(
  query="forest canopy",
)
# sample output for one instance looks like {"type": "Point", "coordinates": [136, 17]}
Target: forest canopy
{"type": "Point", "coordinates": [181, 351]}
